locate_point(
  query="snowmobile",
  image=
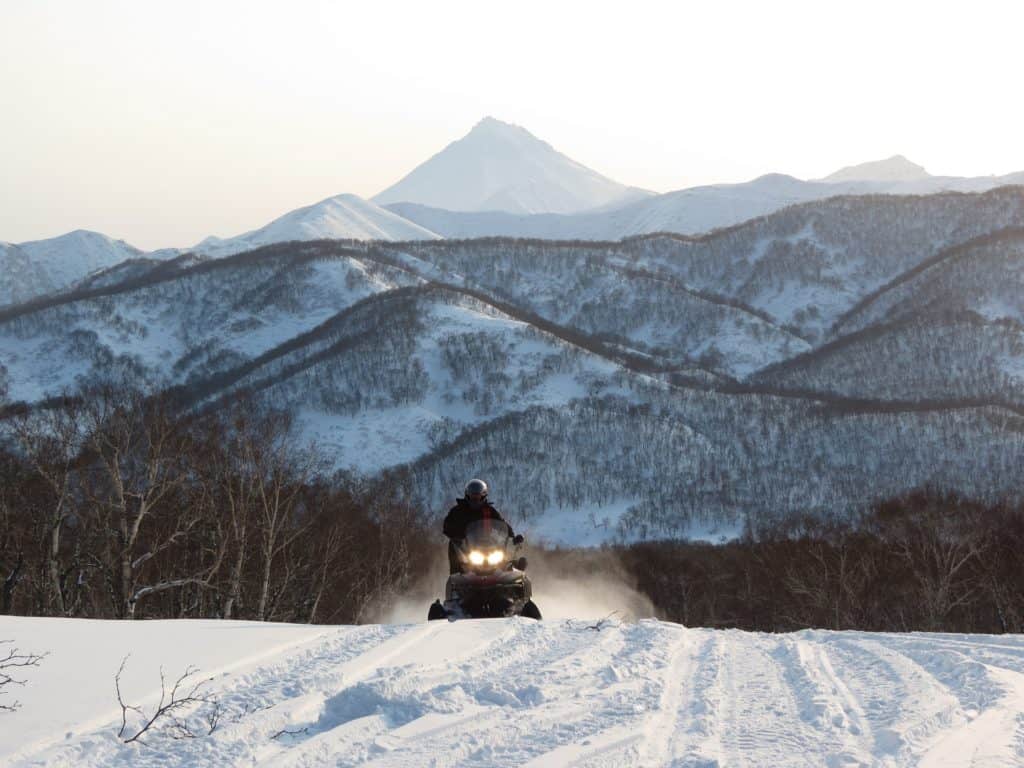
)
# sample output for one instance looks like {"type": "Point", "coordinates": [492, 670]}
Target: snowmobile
{"type": "Point", "coordinates": [492, 583]}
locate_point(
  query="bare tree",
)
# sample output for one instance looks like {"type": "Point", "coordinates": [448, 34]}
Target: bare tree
{"type": "Point", "coordinates": [12, 556]}
{"type": "Point", "coordinates": [940, 540]}
{"type": "Point", "coordinates": [386, 567]}
{"type": "Point", "coordinates": [128, 508]}
{"type": "Point", "coordinates": [227, 473]}
{"type": "Point", "coordinates": [331, 548]}
{"type": "Point", "coordinates": [9, 661]}
{"type": "Point", "coordinates": [181, 696]}
{"type": "Point", "coordinates": [51, 442]}
{"type": "Point", "coordinates": [280, 472]}
{"type": "Point", "coordinates": [138, 453]}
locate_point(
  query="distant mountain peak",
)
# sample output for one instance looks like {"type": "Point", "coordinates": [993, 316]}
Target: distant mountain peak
{"type": "Point", "coordinates": [502, 166]}
{"type": "Point", "coordinates": [492, 128]}
{"type": "Point", "coordinates": [493, 124]}
{"type": "Point", "coordinates": [35, 267]}
{"type": "Point", "coordinates": [895, 168]}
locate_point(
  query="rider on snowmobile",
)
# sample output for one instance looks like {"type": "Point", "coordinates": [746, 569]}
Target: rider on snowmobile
{"type": "Point", "coordinates": [471, 507]}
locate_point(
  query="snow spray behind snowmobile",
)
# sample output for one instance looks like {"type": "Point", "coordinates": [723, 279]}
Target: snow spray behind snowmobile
{"type": "Point", "coordinates": [493, 582]}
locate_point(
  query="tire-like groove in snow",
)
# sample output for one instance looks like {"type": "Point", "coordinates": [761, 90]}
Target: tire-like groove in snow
{"type": "Point", "coordinates": [546, 694]}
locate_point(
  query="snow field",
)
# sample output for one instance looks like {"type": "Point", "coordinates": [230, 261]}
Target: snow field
{"type": "Point", "coordinates": [72, 690]}
{"type": "Point", "coordinates": [517, 692]}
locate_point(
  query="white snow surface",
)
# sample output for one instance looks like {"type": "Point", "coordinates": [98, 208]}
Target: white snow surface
{"type": "Point", "coordinates": [342, 217]}
{"type": "Point", "coordinates": [514, 692]}
{"type": "Point", "coordinates": [503, 167]}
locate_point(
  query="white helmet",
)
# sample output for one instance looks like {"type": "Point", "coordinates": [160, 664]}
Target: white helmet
{"type": "Point", "coordinates": [475, 489]}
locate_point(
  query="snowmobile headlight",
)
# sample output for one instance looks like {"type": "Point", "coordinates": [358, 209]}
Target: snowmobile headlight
{"type": "Point", "coordinates": [476, 557]}
{"type": "Point", "coordinates": [495, 557]}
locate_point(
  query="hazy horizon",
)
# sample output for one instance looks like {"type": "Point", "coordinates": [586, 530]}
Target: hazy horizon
{"type": "Point", "coordinates": [163, 126]}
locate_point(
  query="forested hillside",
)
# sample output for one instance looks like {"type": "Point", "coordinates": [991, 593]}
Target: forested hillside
{"type": "Point", "coordinates": [812, 360]}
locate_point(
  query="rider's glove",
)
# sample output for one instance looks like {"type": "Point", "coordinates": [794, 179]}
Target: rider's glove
{"type": "Point", "coordinates": [518, 539]}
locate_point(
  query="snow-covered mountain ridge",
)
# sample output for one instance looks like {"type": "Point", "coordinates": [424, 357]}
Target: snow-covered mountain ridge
{"type": "Point", "coordinates": [687, 357]}
{"type": "Point", "coordinates": [342, 217]}
{"type": "Point", "coordinates": [38, 267]}
{"type": "Point", "coordinates": [690, 211]}
{"type": "Point", "coordinates": [500, 692]}
{"type": "Point", "coordinates": [896, 168]}
{"type": "Point", "coordinates": [498, 180]}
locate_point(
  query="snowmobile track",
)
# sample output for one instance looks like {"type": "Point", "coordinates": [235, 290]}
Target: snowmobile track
{"type": "Point", "coordinates": [516, 692]}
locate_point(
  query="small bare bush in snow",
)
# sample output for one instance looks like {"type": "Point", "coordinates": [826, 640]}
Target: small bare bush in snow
{"type": "Point", "coordinates": [10, 660]}
{"type": "Point", "coordinates": [184, 697]}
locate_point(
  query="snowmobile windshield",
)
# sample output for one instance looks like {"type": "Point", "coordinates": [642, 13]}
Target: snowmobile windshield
{"type": "Point", "coordinates": [487, 534]}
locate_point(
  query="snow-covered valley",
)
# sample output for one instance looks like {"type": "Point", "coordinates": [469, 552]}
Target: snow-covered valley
{"type": "Point", "coordinates": [508, 692]}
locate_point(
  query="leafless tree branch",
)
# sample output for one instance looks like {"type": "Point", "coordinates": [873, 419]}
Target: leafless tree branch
{"type": "Point", "coordinates": [179, 697]}
{"type": "Point", "coordinates": [15, 659]}
{"type": "Point", "coordinates": [286, 732]}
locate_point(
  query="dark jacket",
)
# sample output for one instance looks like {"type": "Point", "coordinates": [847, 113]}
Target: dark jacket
{"type": "Point", "coordinates": [462, 515]}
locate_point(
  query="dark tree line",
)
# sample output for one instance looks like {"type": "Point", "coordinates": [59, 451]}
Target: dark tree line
{"type": "Point", "coordinates": [923, 561]}
{"type": "Point", "coordinates": [114, 506]}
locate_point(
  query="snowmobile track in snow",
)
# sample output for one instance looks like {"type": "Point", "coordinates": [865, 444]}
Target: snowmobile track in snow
{"type": "Point", "coordinates": [543, 694]}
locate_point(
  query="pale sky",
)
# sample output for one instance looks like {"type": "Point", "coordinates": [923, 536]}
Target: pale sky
{"type": "Point", "coordinates": [162, 123]}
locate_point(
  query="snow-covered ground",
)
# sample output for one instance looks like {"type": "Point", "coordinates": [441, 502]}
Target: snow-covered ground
{"type": "Point", "coordinates": [523, 693]}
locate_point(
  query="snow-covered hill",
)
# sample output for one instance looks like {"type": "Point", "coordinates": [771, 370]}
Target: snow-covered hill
{"type": "Point", "coordinates": [37, 267]}
{"type": "Point", "coordinates": [694, 210]}
{"type": "Point", "coordinates": [186, 323]}
{"type": "Point", "coordinates": [502, 167]}
{"type": "Point", "coordinates": [516, 692]}
{"type": "Point", "coordinates": [955, 323]}
{"type": "Point", "coordinates": [436, 363]}
{"type": "Point", "coordinates": [21, 278]}
{"type": "Point", "coordinates": [687, 211]}
{"type": "Point", "coordinates": [895, 168]}
{"type": "Point", "coordinates": [801, 267]}
{"type": "Point", "coordinates": [342, 217]}
{"type": "Point", "coordinates": [714, 362]}
{"type": "Point", "coordinates": [600, 291]}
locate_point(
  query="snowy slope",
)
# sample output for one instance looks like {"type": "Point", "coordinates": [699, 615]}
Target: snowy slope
{"type": "Point", "coordinates": [21, 278]}
{"type": "Point", "coordinates": [37, 267]}
{"type": "Point", "coordinates": [342, 217]}
{"type": "Point", "coordinates": [594, 289]}
{"type": "Point", "coordinates": [502, 167]}
{"type": "Point", "coordinates": [984, 276]}
{"type": "Point", "coordinates": [516, 692]}
{"type": "Point", "coordinates": [954, 326]}
{"type": "Point", "coordinates": [192, 324]}
{"type": "Point", "coordinates": [804, 265]}
{"type": "Point", "coordinates": [822, 258]}
{"type": "Point", "coordinates": [437, 363]}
